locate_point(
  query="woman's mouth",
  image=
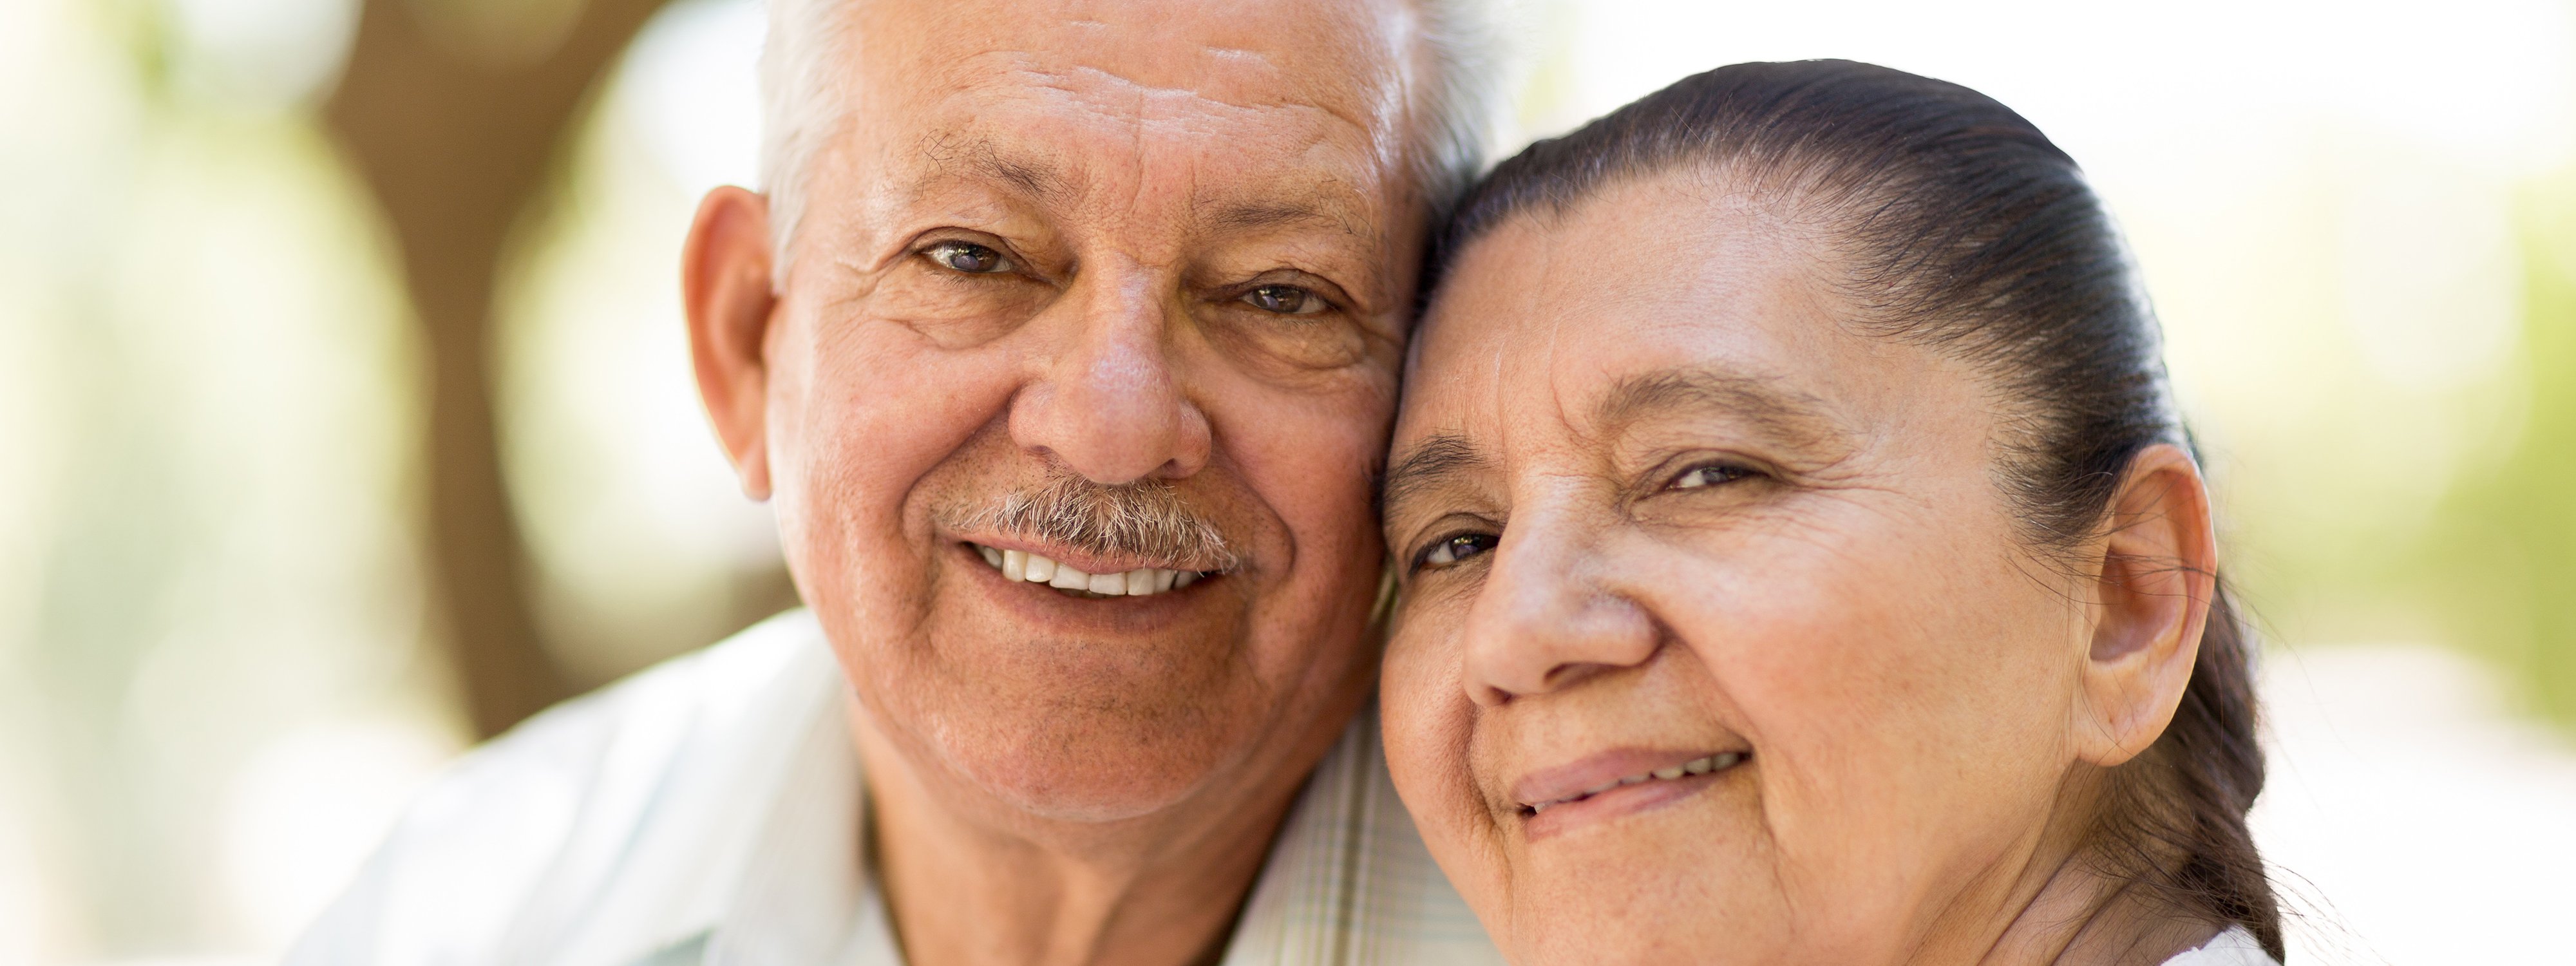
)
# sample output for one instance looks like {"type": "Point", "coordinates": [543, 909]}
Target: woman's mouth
{"type": "Point", "coordinates": [1613, 784]}
{"type": "Point", "coordinates": [1696, 766]}
{"type": "Point", "coordinates": [1720, 761]}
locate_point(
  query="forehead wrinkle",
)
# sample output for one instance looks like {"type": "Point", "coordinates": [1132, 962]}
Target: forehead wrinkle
{"type": "Point", "coordinates": [1224, 52]}
{"type": "Point", "coordinates": [1140, 111]}
{"type": "Point", "coordinates": [1551, 283]}
{"type": "Point", "coordinates": [1139, 94]}
{"type": "Point", "coordinates": [1497, 402]}
{"type": "Point", "coordinates": [1137, 98]}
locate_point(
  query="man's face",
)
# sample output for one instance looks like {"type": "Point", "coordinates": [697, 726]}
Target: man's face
{"type": "Point", "coordinates": [1123, 286]}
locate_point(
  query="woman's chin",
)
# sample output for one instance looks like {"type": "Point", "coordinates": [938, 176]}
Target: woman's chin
{"type": "Point", "coordinates": [1648, 876]}
{"type": "Point", "coordinates": [1644, 921]}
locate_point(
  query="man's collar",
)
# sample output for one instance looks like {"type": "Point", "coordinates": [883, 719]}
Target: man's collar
{"type": "Point", "coordinates": [747, 848]}
{"type": "Point", "coordinates": [805, 896]}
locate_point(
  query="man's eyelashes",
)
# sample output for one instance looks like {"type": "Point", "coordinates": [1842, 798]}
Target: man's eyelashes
{"type": "Point", "coordinates": [967, 257]}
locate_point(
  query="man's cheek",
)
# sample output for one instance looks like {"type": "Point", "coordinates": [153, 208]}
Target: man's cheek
{"type": "Point", "coordinates": [900, 406]}
{"type": "Point", "coordinates": [1325, 491]}
{"type": "Point", "coordinates": [1304, 352]}
{"type": "Point", "coordinates": [950, 310]}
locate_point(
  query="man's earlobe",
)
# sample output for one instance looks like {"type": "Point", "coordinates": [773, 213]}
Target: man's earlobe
{"type": "Point", "coordinates": [725, 282]}
{"type": "Point", "coordinates": [2158, 570]}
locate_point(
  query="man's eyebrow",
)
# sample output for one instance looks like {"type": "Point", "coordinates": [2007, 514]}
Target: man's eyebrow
{"type": "Point", "coordinates": [1785, 414]}
{"type": "Point", "coordinates": [1036, 176]}
{"type": "Point", "coordinates": [1254, 216]}
{"type": "Point", "coordinates": [1438, 460]}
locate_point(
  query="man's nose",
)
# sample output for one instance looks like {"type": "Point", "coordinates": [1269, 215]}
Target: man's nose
{"type": "Point", "coordinates": [1548, 616]}
{"type": "Point", "coordinates": [1108, 402]}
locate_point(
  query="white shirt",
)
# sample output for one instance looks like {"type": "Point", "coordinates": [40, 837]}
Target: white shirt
{"type": "Point", "coordinates": [708, 811]}
{"type": "Point", "coordinates": [2235, 947]}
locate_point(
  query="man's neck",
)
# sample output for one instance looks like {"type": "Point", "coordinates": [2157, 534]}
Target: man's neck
{"type": "Point", "coordinates": [1162, 890]}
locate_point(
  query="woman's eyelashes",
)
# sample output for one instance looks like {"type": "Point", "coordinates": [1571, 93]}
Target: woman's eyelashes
{"type": "Point", "coordinates": [1452, 549]}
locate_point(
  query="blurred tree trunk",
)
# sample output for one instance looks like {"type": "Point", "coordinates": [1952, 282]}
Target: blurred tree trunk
{"type": "Point", "coordinates": [455, 145]}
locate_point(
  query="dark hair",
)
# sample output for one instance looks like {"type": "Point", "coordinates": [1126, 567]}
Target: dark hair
{"type": "Point", "coordinates": [1960, 227]}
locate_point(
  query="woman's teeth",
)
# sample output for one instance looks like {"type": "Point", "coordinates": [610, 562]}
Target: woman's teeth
{"type": "Point", "coordinates": [1696, 766]}
{"type": "Point", "coordinates": [1022, 565]}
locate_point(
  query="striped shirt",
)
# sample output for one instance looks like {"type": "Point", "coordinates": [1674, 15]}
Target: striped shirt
{"type": "Point", "coordinates": [708, 811]}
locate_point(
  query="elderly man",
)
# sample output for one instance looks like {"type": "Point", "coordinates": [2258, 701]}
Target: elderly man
{"type": "Point", "coordinates": [1065, 341]}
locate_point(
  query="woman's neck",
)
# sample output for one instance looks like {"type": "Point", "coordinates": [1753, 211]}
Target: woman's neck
{"type": "Point", "coordinates": [2079, 916]}
{"type": "Point", "coordinates": [2046, 900]}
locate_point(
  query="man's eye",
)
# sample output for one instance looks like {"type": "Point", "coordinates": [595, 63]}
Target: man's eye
{"type": "Point", "coordinates": [968, 257]}
{"type": "Point", "coordinates": [1286, 300]}
{"type": "Point", "coordinates": [1452, 549]}
{"type": "Point", "coordinates": [1710, 476]}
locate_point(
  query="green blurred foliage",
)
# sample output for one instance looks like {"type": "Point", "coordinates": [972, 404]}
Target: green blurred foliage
{"type": "Point", "coordinates": [2500, 555]}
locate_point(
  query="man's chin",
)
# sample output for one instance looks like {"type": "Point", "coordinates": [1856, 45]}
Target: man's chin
{"type": "Point", "coordinates": [1054, 708]}
{"type": "Point", "coordinates": [1093, 764]}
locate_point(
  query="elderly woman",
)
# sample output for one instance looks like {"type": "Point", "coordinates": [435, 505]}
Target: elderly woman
{"type": "Point", "coordinates": [1801, 560]}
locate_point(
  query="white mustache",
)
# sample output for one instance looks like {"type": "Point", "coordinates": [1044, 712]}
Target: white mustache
{"type": "Point", "coordinates": [1148, 520]}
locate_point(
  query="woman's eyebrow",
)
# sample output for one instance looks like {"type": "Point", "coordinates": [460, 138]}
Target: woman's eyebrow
{"type": "Point", "coordinates": [1434, 463]}
{"type": "Point", "coordinates": [1784, 414]}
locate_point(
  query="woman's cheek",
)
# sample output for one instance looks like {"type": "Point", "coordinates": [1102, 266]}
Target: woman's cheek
{"type": "Point", "coordinates": [1429, 725]}
{"type": "Point", "coordinates": [1415, 715]}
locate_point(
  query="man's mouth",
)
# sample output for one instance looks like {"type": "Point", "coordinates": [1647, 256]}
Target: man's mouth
{"type": "Point", "coordinates": [1021, 565]}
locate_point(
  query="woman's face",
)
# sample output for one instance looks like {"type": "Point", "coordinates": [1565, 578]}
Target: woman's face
{"type": "Point", "coordinates": [1718, 642]}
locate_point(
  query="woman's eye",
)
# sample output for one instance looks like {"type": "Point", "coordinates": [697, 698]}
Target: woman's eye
{"type": "Point", "coordinates": [1710, 476]}
{"type": "Point", "coordinates": [1450, 550]}
{"type": "Point", "coordinates": [1285, 300]}
{"type": "Point", "coordinates": [968, 257]}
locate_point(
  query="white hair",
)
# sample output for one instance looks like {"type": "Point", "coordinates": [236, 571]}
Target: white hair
{"type": "Point", "coordinates": [805, 64]}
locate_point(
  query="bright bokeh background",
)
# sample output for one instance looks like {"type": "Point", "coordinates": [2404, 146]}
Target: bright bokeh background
{"type": "Point", "coordinates": [2358, 220]}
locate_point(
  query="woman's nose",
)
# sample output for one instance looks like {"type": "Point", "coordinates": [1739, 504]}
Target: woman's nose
{"type": "Point", "coordinates": [1546, 616]}
{"type": "Point", "coordinates": [1107, 402]}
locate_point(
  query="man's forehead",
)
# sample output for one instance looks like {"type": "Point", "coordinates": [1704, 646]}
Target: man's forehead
{"type": "Point", "coordinates": [1041, 98]}
{"type": "Point", "coordinates": [1245, 52]}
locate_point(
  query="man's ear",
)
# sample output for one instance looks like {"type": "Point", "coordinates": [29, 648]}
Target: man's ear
{"type": "Point", "coordinates": [725, 287]}
{"type": "Point", "coordinates": [2156, 573]}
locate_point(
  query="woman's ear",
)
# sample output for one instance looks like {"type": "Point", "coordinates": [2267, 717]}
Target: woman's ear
{"type": "Point", "coordinates": [2156, 573]}
{"type": "Point", "coordinates": [725, 287]}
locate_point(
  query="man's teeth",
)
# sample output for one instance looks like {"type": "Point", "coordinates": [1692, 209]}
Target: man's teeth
{"type": "Point", "coordinates": [1022, 565]}
{"type": "Point", "coordinates": [1696, 766]}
